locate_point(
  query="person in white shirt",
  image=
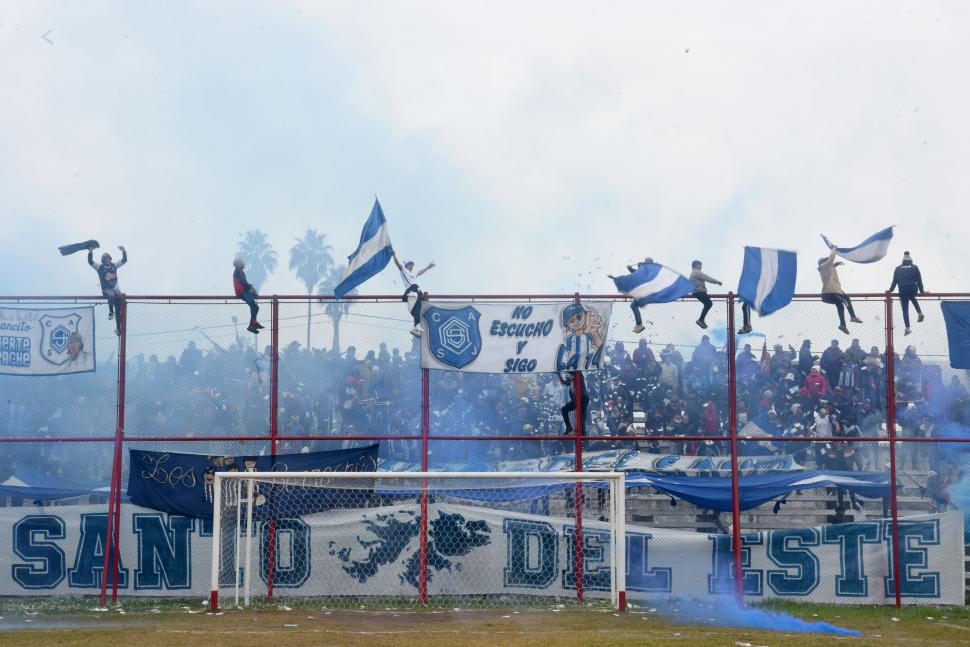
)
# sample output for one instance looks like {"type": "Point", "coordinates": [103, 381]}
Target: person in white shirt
{"type": "Point", "coordinates": [412, 293]}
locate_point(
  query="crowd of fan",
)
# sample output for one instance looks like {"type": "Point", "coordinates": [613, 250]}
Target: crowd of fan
{"type": "Point", "coordinates": [225, 392]}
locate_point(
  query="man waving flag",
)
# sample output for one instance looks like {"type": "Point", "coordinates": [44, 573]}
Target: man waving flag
{"type": "Point", "coordinates": [372, 255]}
{"type": "Point", "coordinates": [767, 279]}
{"type": "Point", "coordinates": [870, 250]}
{"type": "Point", "coordinates": [651, 282]}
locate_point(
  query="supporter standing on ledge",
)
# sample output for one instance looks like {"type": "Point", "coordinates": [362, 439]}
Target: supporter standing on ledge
{"type": "Point", "coordinates": [108, 275]}
{"type": "Point", "coordinates": [412, 293]}
{"type": "Point", "coordinates": [832, 291]}
{"type": "Point", "coordinates": [700, 290]}
{"type": "Point", "coordinates": [910, 283]}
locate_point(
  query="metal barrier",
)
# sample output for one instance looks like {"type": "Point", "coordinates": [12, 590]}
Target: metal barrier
{"type": "Point", "coordinates": [331, 374]}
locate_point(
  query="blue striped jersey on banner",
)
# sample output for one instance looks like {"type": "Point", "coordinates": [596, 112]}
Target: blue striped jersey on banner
{"type": "Point", "coordinates": [372, 255]}
{"type": "Point", "coordinates": [767, 279]}
{"type": "Point", "coordinates": [654, 283]}
{"type": "Point", "coordinates": [870, 250]}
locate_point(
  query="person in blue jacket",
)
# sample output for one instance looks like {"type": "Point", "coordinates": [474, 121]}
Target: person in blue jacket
{"type": "Point", "coordinates": [108, 275]}
{"type": "Point", "coordinates": [910, 283]}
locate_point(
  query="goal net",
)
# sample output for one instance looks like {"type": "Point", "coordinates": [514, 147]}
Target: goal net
{"type": "Point", "coordinates": [400, 539]}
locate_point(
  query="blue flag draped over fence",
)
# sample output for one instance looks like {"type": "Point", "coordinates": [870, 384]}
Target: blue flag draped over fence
{"type": "Point", "coordinates": [177, 484]}
{"type": "Point", "coordinates": [767, 279]}
{"type": "Point", "coordinates": [654, 283]}
{"type": "Point", "coordinates": [870, 250]}
{"type": "Point", "coordinates": [956, 314]}
{"type": "Point", "coordinates": [372, 255]}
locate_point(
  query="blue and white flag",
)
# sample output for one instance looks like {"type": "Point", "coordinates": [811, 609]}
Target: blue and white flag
{"type": "Point", "coordinates": [870, 250]}
{"type": "Point", "coordinates": [767, 279]}
{"type": "Point", "coordinates": [372, 255]}
{"type": "Point", "coordinates": [654, 283]}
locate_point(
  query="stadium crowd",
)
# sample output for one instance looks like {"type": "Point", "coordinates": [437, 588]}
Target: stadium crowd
{"type": "Point", "coordinates": [649, 392]}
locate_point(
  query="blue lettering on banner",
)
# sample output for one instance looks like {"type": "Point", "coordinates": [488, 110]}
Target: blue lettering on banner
{"type": "Point", "coordinates": [920, 533]}
{"type": "Point", "coordinates": [721, 579]}
{"type": "Point", "coordinates": [291, 563]}
{"type": "Point", "coordinates": [89, 559]}
{"type": "Point", "coordinates": [639, 575]}
{"type": "Point", "coordinates": [532, 554]}
{"type": "Point", "coordinates": [45, 559]}
{"type": "Point", "coordinates": [596, 568]}
{"type": "Point", "coordinates": [851, 580]}
{"type": "Point", "coordinates": [164, 551]}
{"type": "Point", "coordinates": [787, 548]}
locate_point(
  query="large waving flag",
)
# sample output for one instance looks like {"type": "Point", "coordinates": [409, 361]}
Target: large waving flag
{"type": "Point", "coordinates": [654, 283]}
{"type": "Point", "coordinates": [767, 279]}
{"type": "Point", "coordinates": [372, 255]}
{"type": "Point", "coordinates": [870, 250]}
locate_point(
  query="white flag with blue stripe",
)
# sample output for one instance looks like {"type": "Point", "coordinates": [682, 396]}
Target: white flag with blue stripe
{"type": "Point", "coordinates": [870, 250]}
{"type": "Point", "coordinates": [767, 279]}
{"type": "Point", "coordinates": [654, 283]}
{"type": "Point", "coordinates": [372, 255]}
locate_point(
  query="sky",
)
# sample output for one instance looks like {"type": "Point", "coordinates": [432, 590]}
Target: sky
{"type": "Point", "coordinates": [525, 147]}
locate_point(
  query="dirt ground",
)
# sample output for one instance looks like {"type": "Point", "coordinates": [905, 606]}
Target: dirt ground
{"type": "Point", "coordinates": [546, 628]}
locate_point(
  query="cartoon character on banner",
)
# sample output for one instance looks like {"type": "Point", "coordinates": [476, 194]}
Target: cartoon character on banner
{"type": "Point", "coordinates": [582, 346]}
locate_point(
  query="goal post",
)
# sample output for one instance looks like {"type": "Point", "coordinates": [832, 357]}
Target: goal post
{"type": "Point", "coordinates": [393, 539]}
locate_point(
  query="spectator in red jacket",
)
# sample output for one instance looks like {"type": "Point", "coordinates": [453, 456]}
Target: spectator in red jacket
{"type": "Point", "coordinates": [815, 384]}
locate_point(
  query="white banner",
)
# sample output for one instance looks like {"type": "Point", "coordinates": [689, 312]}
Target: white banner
{"type": "Point", "coordinates": [50, 341]}
{"type": "Point", "coordinates": [480, 551]}
{"type": "Point", "coordinates": [514, 337]}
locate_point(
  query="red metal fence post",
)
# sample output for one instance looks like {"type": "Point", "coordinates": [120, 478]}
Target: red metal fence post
{"type": "Point", "coordinates": [733, 429]}
{"type": "Point", "coordinates": [122, 383]}
{"type": "Point", "coordinates": [578, 389]}
{"type": "Point", "coordinates": [110, 546]}
{"type": "Point", "coordinates": [425, 431]}
{"type": "Point", "coordinates": [274, 416]}
{"type": "Point", "coordinates": [891, 428]}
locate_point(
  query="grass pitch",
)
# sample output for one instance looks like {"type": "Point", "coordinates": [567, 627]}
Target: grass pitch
{"type": "Point", "coordinates": [139, 624]}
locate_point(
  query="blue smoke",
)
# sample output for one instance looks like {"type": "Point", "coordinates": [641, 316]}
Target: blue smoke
{"type": "Point", "coordinates": [729, 613]}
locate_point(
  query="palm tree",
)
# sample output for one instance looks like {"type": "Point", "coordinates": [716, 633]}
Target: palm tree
{"type": "Point", "coordinates": [311, 259]}
{"type": "Point", "coordinates": [336, 309]}
{"type": "Point", "coordinates": [259, 256]}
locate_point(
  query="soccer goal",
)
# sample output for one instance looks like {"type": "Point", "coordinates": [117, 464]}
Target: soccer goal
{"type": "Point", "coordinates": [392, 540]}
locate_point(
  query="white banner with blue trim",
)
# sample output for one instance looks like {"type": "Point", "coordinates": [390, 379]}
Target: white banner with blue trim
{"type": "Point", "coordinates": [49, 341]}
{"type": "Point", "coordinates": [476, 550]}
{"type": "Point", "coordinates": [514, 337]}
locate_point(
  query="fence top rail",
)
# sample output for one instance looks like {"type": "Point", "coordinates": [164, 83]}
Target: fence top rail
{"type": "Point", "coordinates": [548, 476]}
{"type": "Point", "coordinates": [397, 297]}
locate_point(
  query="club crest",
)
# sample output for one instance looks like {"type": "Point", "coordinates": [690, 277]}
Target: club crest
{"type": "Point", "coordinates": [57, 330]}
{"type": "Point", "coordinates": [453, 335]}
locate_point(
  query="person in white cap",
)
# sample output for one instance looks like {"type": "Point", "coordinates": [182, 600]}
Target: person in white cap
{"type": "Point", "coordinates": [910, 283]}
{"type": "Point", "coordinates": [832, 291]}
{"type": "Point", "coordinates": [412, 293]}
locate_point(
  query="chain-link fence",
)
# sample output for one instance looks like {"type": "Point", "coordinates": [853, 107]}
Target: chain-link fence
{"type": "Point", "coordinates": [821, 439]}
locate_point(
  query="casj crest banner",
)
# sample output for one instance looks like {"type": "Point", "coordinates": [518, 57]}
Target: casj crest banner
{"type": "Point", "coordinates": [514, 337]}
{"type": "Point", "coordinates": [49, 341]}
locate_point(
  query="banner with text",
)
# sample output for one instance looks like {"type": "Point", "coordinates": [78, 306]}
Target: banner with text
{"type": "Point", "coordinates": [49, 341]}
{"type": "Point", "coordinates": [478, 551]}
{"type": "Point", "coordinates": [514, 337]}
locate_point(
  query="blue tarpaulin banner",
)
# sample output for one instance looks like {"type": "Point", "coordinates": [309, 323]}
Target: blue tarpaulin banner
{"type": "Point", "coordinates": [178, 484]}
{"type": "Point", "coordinates": [956, 314]}
{"type": "Point", "coordinates": [714, 492]}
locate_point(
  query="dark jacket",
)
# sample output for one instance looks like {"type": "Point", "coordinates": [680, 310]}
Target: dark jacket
{"type": "Point", "coordinates": [908, 278]}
